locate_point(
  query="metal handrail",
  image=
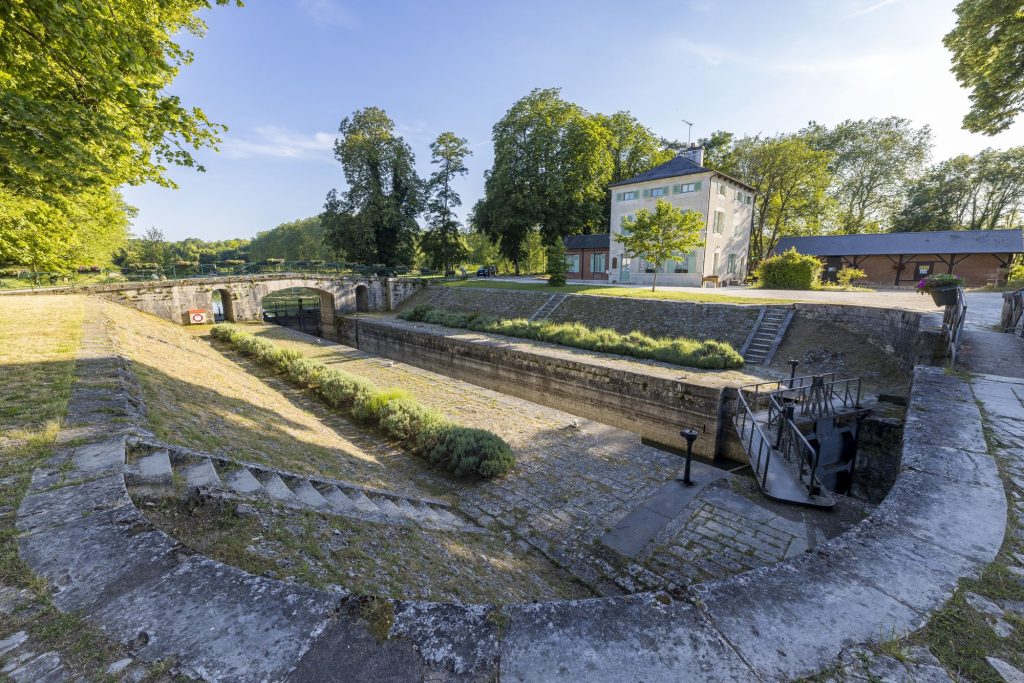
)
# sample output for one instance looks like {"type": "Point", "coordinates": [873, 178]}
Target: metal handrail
{"type": "Point", "coordinates": [764, 446]}
{"type": "Point", "coordinates": [806, 457]}
{"type": "Point", "coordinates": [834, 394]}
{"type": "Point", "coordinates": [953, 325]}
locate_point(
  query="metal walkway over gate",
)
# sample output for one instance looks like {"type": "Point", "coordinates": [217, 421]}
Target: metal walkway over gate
{"type": "Point", "coordinates": [786, 425]}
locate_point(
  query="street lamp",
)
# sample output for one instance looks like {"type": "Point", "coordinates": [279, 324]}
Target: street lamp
{"type": "Point", "coordinates": [690, 435]}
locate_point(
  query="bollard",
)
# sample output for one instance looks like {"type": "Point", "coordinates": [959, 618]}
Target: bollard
{"type": "Point", "coordinates": [690, 435]}
{"type": "Point", "coordinates": [792, 370]}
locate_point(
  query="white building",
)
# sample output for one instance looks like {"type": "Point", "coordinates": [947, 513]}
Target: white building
{"type": "Point", "coordinates": [725, 204]}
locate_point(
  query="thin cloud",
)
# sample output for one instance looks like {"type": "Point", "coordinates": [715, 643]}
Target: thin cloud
{"type": "Point", "coordinates": [329, 13]}
{"type": "Point", "coordinates": [870, 8]}
{"type": "Point", "coordinates": [716, 56]}
{"type": "Point", "coordinates": [281, 143]}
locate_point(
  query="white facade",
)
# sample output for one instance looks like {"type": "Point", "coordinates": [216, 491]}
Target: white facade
{"type": "Point", "coordinates": [726, 207]}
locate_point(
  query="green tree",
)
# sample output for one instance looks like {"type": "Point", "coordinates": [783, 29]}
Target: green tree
{"type": "Point", "coordinates": [982, 192]}
{"type": "Point", "coordinates": [374, 220]}
{"type": "Point", "coordinates": [300, 240]}
{"type": "Point", "coordinates": [791, 180]}
{"type": "Point", "coordinates": [633, 149]}
{"type": "Point", "coordinates": [442, 242]}
{"type": "Point", "coordinates": [988, 59]}
{"type": "Point", "coordinates": [662, 236]}
{"type": "Point", "coordinates": [551, 169]}
{"type": "Point", "coordinates": [873, 160]}
{"type": "Point", "coordinates": [556, 265]}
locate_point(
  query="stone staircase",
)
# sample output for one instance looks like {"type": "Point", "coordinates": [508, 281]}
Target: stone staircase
{"type": "Point", "coordinates": [163, 471]}
{"type": "Point", "coordinates": [767, 334]}
{"type": "Point", "coordinates": [548, 308]}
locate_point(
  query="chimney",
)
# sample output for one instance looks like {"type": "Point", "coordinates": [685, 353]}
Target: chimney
{"type": "Point", "coordinates": [695, 153]}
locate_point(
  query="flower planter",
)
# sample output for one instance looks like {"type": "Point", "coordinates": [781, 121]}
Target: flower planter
{"type": "Point", "coordinates": [944, 296]}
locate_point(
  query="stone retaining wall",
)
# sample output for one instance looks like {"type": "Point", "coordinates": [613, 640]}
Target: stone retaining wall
{"type": "Point", "coordinates": [910, 337]}
{"type": "Point", "coordinates": [652, 405]}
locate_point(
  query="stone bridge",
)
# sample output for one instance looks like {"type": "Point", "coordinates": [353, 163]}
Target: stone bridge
{"type": "Point", "coordinates": [242, 296]}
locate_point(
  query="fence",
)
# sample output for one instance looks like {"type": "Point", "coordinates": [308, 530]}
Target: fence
{"type": "Point", "coordinates": [953, 326]}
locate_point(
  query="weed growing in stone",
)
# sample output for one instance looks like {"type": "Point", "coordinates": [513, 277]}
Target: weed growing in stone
{"type": "Point", "coordinates": [708, 354]}
{"type": "Point", "coordinates": [460, 450]}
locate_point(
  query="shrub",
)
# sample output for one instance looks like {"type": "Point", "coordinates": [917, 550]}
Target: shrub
{"type": "Point", "coordinates": [557, 268]}
{"type": "Point", "coordinates": [367, 407]}
{"type": "Point", "coordinates": [679, 351]}
{"type": "Point", "coordinates": [462, 450]}
{"type": "Point", "coordinates": [789, 270]}
{"type": "Point", "coordinates": [423, 431]}
{"type": "Point", "coordinates": [847, 275]}
{"type": "Point", "coordinates": [1016, 273]}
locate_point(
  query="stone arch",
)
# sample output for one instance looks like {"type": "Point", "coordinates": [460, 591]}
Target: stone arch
{"type": "Point", "coordinates": [327, 307]}
{"type": "Point", "coordinates": [227, 309]}
{"type": "Point", "coordinates": [362, 299]}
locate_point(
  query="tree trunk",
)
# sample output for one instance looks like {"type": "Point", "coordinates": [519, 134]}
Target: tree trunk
{"type": "Point", "coordinates": [654, 280]}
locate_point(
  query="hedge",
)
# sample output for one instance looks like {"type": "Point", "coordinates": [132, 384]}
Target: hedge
{"type": "Point", "coordinates": [789, 270]}
{"type": "Point", "coordinates": [679, 351]}
{"type": "Point", "coordinates": [424, 431]}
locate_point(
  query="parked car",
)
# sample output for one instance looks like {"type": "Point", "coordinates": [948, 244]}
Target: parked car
{"type": "Point", "coordinates": [486, 271]}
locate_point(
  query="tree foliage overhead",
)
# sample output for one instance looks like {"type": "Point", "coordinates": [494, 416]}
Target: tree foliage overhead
{"type": "Point", "coordinates": [83, 99]}
{"type": "Point", "coordinates": [632, 146]}
{"type": "Point", "coordinates": [662, 236]}
{"type": "Point", "coordinates": [374, 220]}
{"type": "Point", "coordinates": [85, 108]}
{"type": "Point", "coordinates": [988, 59]}
{"type": "Point", "coordinates": [551, 169]}
{"type": "Point", "coordinates": [872, 162]}
{"type": "Point", "coordinates": [981, 192]}
{"type": "Point", "coordinates": [443, 240]}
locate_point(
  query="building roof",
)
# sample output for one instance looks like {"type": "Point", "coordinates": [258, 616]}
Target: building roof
{"type": "Point", "coordinates": [674, 168]}
{"type": "Point", "coordinates": [907, 243]}
{"type": "Point", "coordinates": [598, 241]}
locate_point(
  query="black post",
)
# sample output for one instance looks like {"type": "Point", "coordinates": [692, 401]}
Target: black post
{"type": "Point", "coordinates": [792, 370]}
{"type": "Point", "coordinates": [690, 435]}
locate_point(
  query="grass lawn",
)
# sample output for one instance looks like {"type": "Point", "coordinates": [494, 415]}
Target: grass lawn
{"type": "Point", "coordinates": [77, 280]}
{"type": "Point", "coordinates": [39, 337]}
{"type": "Point", "coordinates": [633, 292]}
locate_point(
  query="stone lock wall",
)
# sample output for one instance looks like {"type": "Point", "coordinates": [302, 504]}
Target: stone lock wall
{"type": "Point", "coordinates": [656, 407]}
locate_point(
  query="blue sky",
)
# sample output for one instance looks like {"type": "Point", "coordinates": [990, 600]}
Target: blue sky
{"type": "Point", "coordinates": [281, 74]}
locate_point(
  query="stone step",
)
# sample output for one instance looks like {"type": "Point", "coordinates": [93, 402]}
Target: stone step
{"type": "Point", "coordinates": [305, 492]}
{"type": "Point", "coordinates": [240, 480]}
{"type": "Point", "coordinates": [201, 473]}
{"type": "Point", "coordinates": [429, 514]}
{"type": "Point", "coordinates": [154, 469]}
{"type": "Point", "coordinates": [336, 499]}
{"type": "Point", "coordinates": [388, 507]}
{"type": "Point", "coordinates": [411, 510]}
{"type": "Point", "coordinates": [276, 488]}
{"type": "Point", "coordinates": [446, 516]}
{"type": "Point", "coordinates": [360, 500]}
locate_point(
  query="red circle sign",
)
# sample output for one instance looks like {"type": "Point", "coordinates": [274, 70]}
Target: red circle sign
{"type": "Point", "coordinates": [198, 317]}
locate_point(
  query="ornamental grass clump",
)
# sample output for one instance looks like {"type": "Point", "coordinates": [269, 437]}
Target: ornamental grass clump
{"type": "Point", "coordinates": [422, 430]}
{"type": "Point", "coordinates": [709, 354]}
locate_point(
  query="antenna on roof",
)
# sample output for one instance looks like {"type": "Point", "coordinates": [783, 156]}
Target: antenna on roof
{"type": "Point", "coordinates": [689, 131]}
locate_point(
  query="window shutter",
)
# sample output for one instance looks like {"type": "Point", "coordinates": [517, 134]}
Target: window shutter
{"type": "Point", "coordinates": [697, 185]}
{"type": "Point", "coordinates": [647, 193]}
{"type": "Point", "coordinates": [618, 197]}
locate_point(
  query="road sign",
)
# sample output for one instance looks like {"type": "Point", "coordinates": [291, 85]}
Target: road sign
{"type": "Point", "coordinates": [197, 316]}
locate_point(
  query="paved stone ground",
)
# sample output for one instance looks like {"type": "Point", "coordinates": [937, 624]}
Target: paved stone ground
{"type": "Point", "coordinates": [575, 479]}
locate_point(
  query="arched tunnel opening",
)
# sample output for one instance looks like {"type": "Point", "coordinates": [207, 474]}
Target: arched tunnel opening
{"type": "Point", "coordinates": [301, 308]}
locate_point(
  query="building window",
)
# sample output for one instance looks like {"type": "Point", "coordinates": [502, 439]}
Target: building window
{"type": "Point", "coordinates": [719, 222]}
{"type": "Point", "coordinates": [572, 261]}
{"type": "Point", "coordinates": [656, 192]}
{"type": "Point", "coordinates": [714, 266]}
{"type": "Point", "coordinates": [722, 190]}
{"type": "Point", "coordinates": [685, 187]}
{"type": "Point", "coordinates": [597, 263]}
{"type": "Point", "coordinates": [924, 269]}
{"type": "Point", "coordinates": [730, 263]}
{"type": "Point", "coordinates": [627, 196]}
{"type": "Point", "coordinates": [615, 262]}
{"type": "Point", "coordinates": [622, 221]}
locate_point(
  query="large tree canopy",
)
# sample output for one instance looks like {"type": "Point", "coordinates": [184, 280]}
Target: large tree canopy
{"type": "Point", "coordinates": [791, 179]}
{"type": "Point", "coordinates": [988, 58]}
{"type": "Point", "coordinates": [872, 162]}
{"type": "Point", "coordinates": [982, 192]}
{"type": "Point", "coordinates": [551, 169]}
{"type": "Point", "coordinates": [300, 240]}
{"type": "Point", "coordinates": [374, 220]}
